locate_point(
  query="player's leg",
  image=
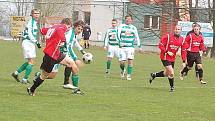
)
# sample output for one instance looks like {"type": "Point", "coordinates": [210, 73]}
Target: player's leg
{"type": "Point", "coordinates": [196, 72]}
{"type": "Point", "coordinates": [28, 70]}
{"type": "Point", "coordinates": [170, 74]}
{"type": "Point", "coordinates": [130, 58]}
{"type": "Point", "coordinates": [110, 55]}
{"type": "Point", "coordinates": [67, 61]}
{"type": "Point", "coordinates": [159, 73]}
{"type": "Point", "coordinates": [200, 69]}
{"type": "Point", "coordinates": [122, 59]}
{"type": "Point", "coordinates": [189, 65]}
{"type": "Point", "coordinates": [46, 67]}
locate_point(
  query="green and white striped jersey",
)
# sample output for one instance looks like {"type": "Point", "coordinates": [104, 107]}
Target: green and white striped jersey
{"type": "Point", "coordinates": [128, 35]}
{"type": "Point", "coordinates": [30, 32]}
{"type": "Point", "coordinates": [71, 41]}
{"type": "Point", "coordinates": [111, 37]}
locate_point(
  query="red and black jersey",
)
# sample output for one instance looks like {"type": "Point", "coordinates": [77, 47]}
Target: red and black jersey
{"type": "Point", "coordinates": [194, 43]}
{"type": "Point", "coordinates": [54, 36]}
{"type": "Point", "coordinates": [171, 43]}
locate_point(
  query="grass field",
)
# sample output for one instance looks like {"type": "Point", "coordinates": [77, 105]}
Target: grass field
{"type": "Point", "coordinates": [107, 98]}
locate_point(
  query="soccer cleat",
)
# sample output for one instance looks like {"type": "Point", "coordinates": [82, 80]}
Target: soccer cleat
{"type": "Point", "coordinates": [203, 82]}
{"type": "Point", "coordinates": [152, 77]}
{"type": "Point", "coordinates": [78, 91]}
{"type": "Point", "coordinates": [15, 77]}
{"type": "Point", "coordinates": [181, 76]}
{"type": "Point", "coordinates": [107, 71]}
{"type": "Point", "coordinates": [171, 89]}
{"type": "Point", "coordinates": [122, 74]}
{"type": "Point", "coordinates": [69, 86]}
{"type": "Point", "coordinates": [30, 93]}
{"type": "Point", "coordinates": [129, 77]}
{"type": "Point", "coordinates": [25, 81]}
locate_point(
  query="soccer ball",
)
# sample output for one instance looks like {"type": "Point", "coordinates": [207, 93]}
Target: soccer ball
{"type": "Point", "coordinates": [87, 58]}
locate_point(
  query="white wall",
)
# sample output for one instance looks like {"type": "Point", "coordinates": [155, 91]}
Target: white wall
{"type": "Point", "coordinates": [101, 16]}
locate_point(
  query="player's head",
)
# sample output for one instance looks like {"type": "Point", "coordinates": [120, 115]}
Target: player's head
{"type": "Point", "coordinates": [114, 23]}
{"type": "Point", "coordinates": [197, 29]}
{"type": "Point", "coordinates": [78, 26]}
{"type": "Point", "coordinates": [67, 22]}
{"type": "Point", "coordinates": [35, 13]}
{"type": "Point", "coordinates": [128, 19]}
{"type": "Point", "coordinates": [178, 29]}
{"type": "Point", "coordinates": [194, 23]}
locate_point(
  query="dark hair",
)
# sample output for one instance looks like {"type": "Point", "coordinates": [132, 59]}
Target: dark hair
{"type": "Point", "coordinates": [129, 15]}
{"type": "Point", "coordinates": [79, 23]}
{"type": "Point", "coordinates": [66, 21]}
{"type": "Point", "coordinates": [114, 19]}
{"type": "Point", "coordinates": [197, 25]}
{"type": "Point", "coordinates": [33, 10]}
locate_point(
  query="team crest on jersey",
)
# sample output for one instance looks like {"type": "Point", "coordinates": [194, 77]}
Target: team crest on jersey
{"type": "Point", "coordinates": [127, 33]}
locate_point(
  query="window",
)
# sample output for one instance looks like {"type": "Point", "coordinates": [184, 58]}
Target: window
{"type": "Point", "coordinates": [87, 17]}
{"type": "Point", "coordinates": [151, 22]}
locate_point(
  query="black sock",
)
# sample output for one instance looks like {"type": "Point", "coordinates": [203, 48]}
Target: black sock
{"type": "Point", "coordinates": [200, 72]}
{"type": "Point", "coordinates": [67, 73]}
{"type": "Point", "coordinates": [185, 70]}
{"type": "Point", "coordinates": [159, 74]}
{"type": "Point", "coordinates": [197, 70]}
{"type": "Point", "coordinates": [171, 82]}
{"type": "Point", "coordinates": [37, 83]}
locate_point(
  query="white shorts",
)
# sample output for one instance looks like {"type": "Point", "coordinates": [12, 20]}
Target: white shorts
{"type": "Point", "coordinates": [113, 51]}
{"type": "Point", "coordinates": [56, 68]}
{"type": "Point", "coordinates": [29, 49]}
{"type": "Point", "coordinates": [126, 53]}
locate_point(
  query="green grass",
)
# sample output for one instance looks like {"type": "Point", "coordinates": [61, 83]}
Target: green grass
{"type": "Point", "coordinates": [107, 98]}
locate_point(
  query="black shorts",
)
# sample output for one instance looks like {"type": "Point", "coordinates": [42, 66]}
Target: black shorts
{"type": "Point", "coordinates": [167, 63]}
{"type": "Point", "coordinates": [193, 57]}
{"type": "Point", "coordinates": [48, 62]}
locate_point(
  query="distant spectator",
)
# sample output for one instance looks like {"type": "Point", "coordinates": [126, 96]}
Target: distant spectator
{"type": "Point", "coordinates": [86, 35]}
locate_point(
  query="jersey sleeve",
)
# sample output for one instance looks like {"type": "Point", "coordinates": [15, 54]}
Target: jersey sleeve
{"type": "Point", "coordinates": [43, 30]}
{"type": "Point", "coordinates": [202, 46]}
{"type": "Point", "coordinates": [106, 39]}
{"type": "Point", "coordinates": [183, 51]}
{"type": "Point", "coordinates": [137, 37]}
{"type": "Point", "coordinates": [163, 43]}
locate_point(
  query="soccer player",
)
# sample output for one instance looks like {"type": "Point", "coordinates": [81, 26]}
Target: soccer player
{"type": "Point", "coordinates": [55, 38]}
{"type": "Point", "coordinates": [86, 35]}
{"type": "Point", "coordinates": [28, 44]}
{"type": "Point", "coordinates": [169, 45]}
{"type": "Point", "coordinates": [128, 35]}
{"type": "Point", "coordinates": [71, 40]}
{"type": "Point", "coordinates": [196, 68]}
{"type": "Point", "coordinates": [111, 44]}
{"type": "Point", "coordinates": [194, 43]}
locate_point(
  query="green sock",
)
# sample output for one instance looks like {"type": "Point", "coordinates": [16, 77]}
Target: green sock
{"type": "Point", "coordinates": [108, 64]}
{"type": "Point", "coordinates": [122, 66]}
{"type": "Point", "coordinates": [28, 71]}
{"type": "Point", "coordinates": [22, 67]}
{"type": "Point", "coordinates": [75, 79]}
{"type": "Point", "coordinates": [129, 69]}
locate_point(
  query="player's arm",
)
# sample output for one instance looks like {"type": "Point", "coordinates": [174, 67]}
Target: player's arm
{"type": "Point", "coordinates": [183, 52]}
{"type": "Point", "coordinates": [77, 44]}
{"type": "Point", "coordinates": [163, 43]}
{"type": "Point", "coordinates": [202, 46]}
{"type": "Point", "coordinates": [106, 39]}
{"type": "Point", "coordinates": [137, 38]}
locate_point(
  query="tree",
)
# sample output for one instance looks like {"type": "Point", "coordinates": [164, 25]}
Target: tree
{"type": "Point", "coordinates": [213, 48]}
